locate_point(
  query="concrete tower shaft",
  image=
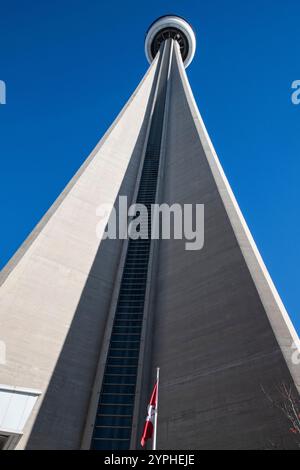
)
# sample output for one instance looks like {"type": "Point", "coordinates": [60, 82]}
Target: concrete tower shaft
{"type": "Point", "coordinates": [86, 321]}
{"type": "Point", "coordinates": [129, 313]}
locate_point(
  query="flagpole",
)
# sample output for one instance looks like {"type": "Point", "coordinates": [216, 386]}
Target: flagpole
{"type": "Point", "coordinates": [156, 411]}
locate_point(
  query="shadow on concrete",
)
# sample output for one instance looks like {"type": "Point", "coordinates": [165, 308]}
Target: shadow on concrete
{"type": "Point", "coordinates": [61, 418]}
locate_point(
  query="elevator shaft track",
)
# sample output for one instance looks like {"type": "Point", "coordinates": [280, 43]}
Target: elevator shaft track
{"type": "Point", "coordinates": [113, 425]}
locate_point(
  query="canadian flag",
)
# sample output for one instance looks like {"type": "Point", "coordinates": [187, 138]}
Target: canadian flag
{"type": "Point", "coordinates": [150, 419]}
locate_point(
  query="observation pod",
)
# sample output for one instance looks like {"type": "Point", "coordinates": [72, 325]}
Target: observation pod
{"type": "Point", "coordinates": [175, 27]}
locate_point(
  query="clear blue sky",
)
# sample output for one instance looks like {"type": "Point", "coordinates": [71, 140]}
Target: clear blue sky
{"type": "Point", "coordinates": [70, 65]}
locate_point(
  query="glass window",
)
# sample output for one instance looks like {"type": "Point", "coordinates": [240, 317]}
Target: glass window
{"type": "Point", "coordinates": [116, 399]}
{"type": "Point", "coordinates": [125, 370]}
{"type": "Point", "coordinates": [134, 314]}
{"type": "Point", "coordinates": [120, 337]}
{"type": "Point", "coordinates": [124, 353]}
{"type": "Point", "coordinates": [118, 388]}
{"type": "Point", "coordinates": [113, 420]}
{"type": "Point", "coordinates": [112, 432]}
{"type": "Point", "coordinates": [127, 323]}
{"type": "Point", "coordinates": [101, 444]}
{"type": "Point", "coordinates": [120, 379]}
{"type": "Point", "coordinates": [123, 328]}
{"type": "Point", "coordinates": [130, 303]}
{"type": "Point", "coordinates": [126, 361]}
{"type": "Point", "coordinates": [125, 344]}
{"type": "Point", "coordinates": [115, 409]}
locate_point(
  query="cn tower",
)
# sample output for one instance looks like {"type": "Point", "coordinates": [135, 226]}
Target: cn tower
{"type": "Point", "coordinates": [86, 319]}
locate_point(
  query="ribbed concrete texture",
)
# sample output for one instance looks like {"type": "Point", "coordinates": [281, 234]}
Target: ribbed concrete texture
{"type": "Point", "coordinates": [213, 321]}
{"type": "Point", "coordinates": [221, 335]}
